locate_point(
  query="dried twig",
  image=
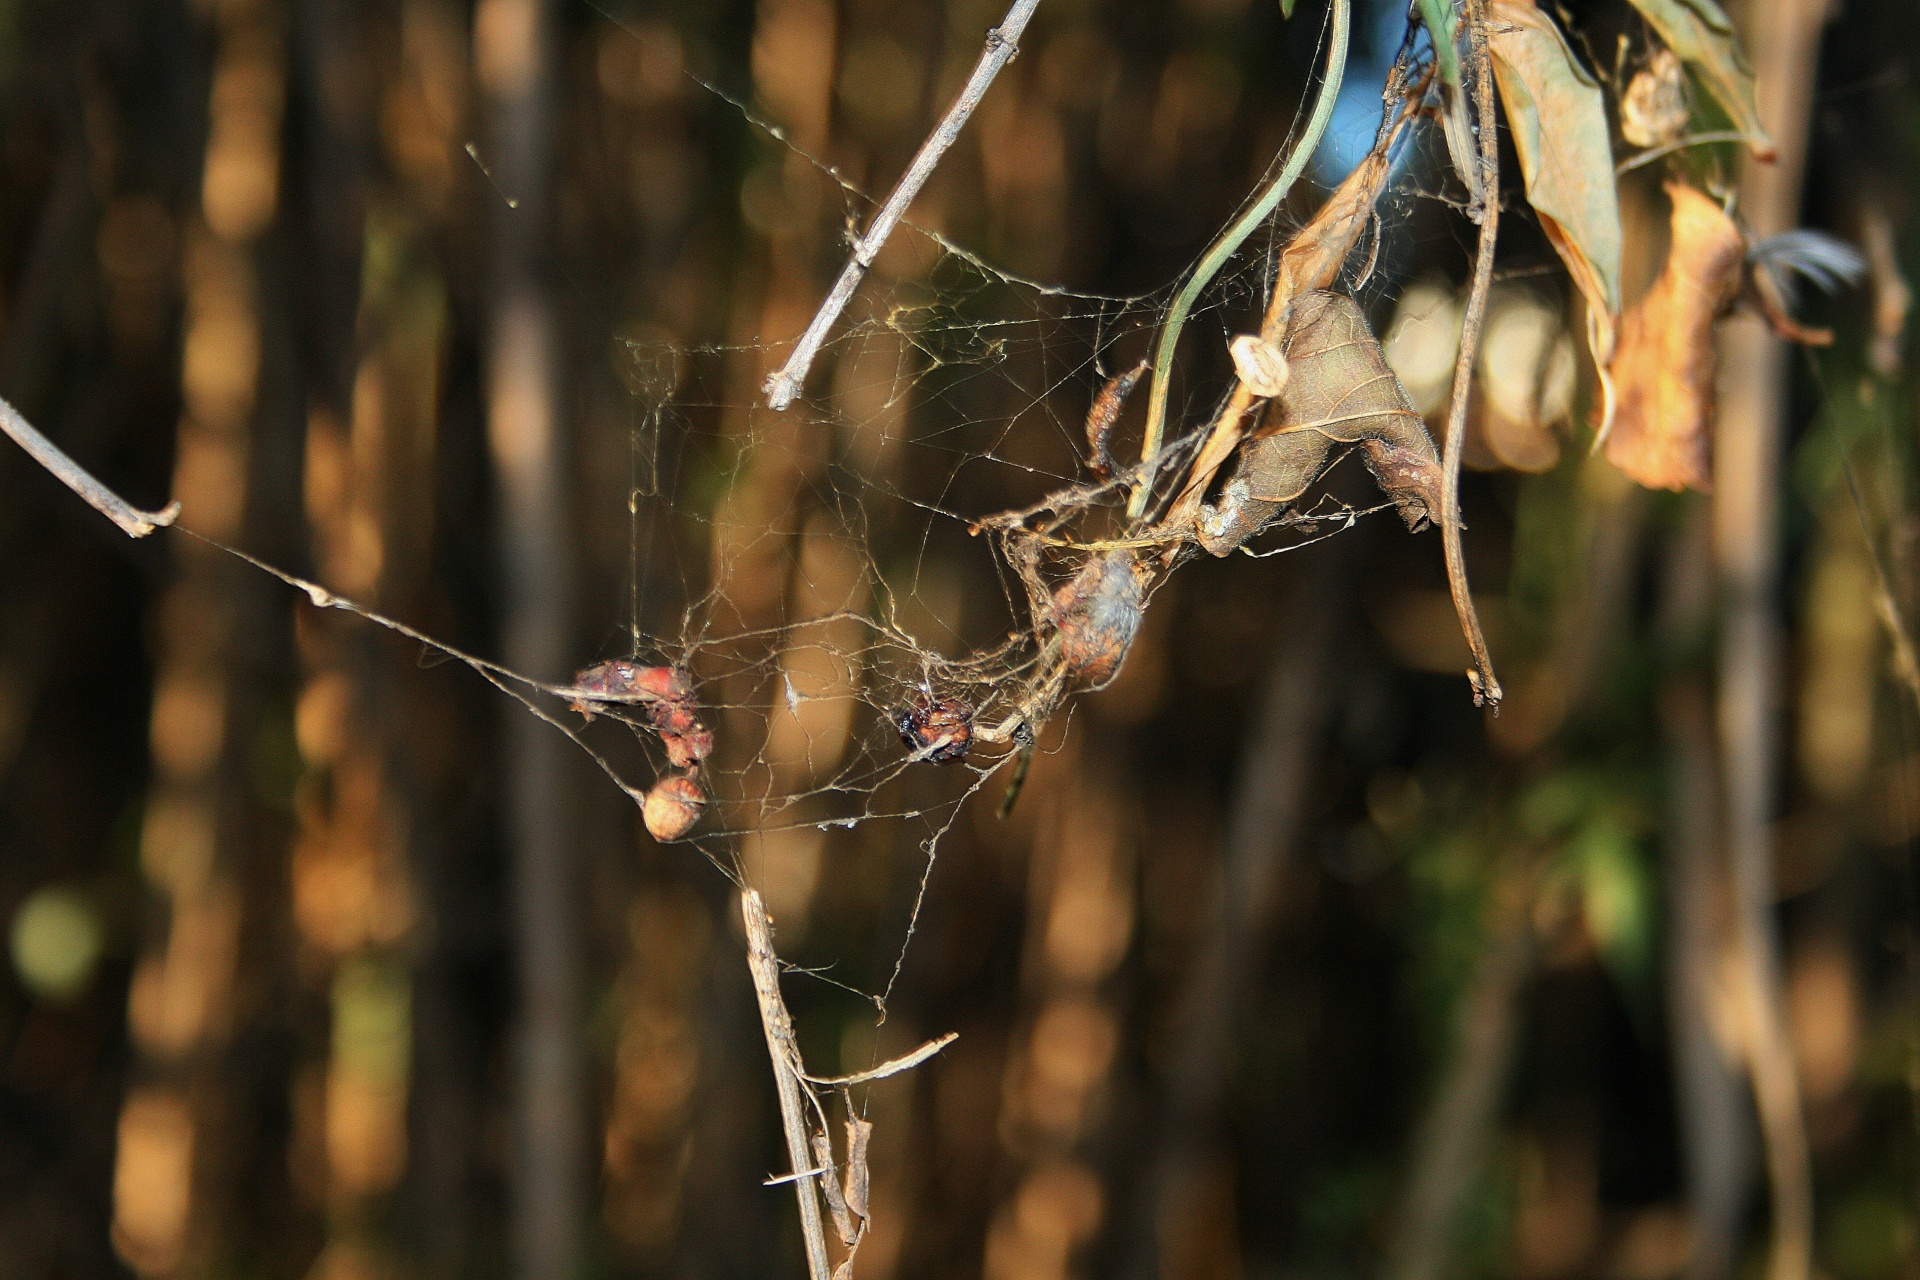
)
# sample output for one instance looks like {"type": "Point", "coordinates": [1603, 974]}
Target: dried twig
{"type": "Point", "coordinates": [1002, 44]}
{"type": "Point", "coordinates": [133, 522]}
{"type": "Point", "coordinates": [1486, 688]}
{"type": "Point", "coordinates": [774, 1020]}
{"type": "Point", "coordinates": [905, 1062]}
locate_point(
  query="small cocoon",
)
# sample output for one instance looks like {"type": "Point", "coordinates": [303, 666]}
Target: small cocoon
{"type": "Point", "coordinates": [673, 807]}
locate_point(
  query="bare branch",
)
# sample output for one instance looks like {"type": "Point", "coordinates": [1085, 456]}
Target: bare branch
{"type": "Point", "coordinates": [1002, 44]}
{"type": "Point", "coordinates": [133, 522]}
{"type": "Point", "coordinates": [1486, 688]}
{"type": "Point", "coordinates": [774, 1020]}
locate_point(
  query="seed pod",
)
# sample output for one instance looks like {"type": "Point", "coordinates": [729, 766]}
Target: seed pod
{"type": "Point", "coordinates": [672, 807]}
{"type": "Point", "coordinates": [943, 728]}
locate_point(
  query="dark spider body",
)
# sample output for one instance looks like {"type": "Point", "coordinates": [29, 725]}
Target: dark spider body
{"type": "Point", "coordinates": [945, 722]}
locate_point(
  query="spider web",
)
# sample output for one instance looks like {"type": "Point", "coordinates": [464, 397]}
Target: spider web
{"type": "Point", "coordinates": [837, 564]}
{"type": "Point", "coordinates": [832, 585]}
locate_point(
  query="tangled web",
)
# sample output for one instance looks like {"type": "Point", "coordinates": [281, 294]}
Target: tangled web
{"type": "Point", "coordinates": [891, 588]}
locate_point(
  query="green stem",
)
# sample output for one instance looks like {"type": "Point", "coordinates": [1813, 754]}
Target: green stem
{"type": "Point", "coordinates": [1226, 246]}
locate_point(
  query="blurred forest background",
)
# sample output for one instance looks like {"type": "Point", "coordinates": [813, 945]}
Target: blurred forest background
{"type": "Point", "coordinates": [327, 960]}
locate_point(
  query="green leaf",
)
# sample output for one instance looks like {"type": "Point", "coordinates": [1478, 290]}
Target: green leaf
{"type": "Point", "coordinates": [1700, 33]}
{"type": "Point", "coordinates": [1558, 116]}
{"type": "Point", "coordinates": [1443, 25]}
{"type": "Point", "coordinates": [1286, 8]}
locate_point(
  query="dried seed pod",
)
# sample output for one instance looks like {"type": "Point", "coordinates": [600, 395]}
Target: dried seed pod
{"type": "Point", "coordinates": [1097, 614]}
{"type": "Point", "coordinates": [942, 728]}
{"type": "Point", "coordinates": [672, 807]}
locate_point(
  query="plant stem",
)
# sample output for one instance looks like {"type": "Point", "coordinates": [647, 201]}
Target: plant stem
{"type": "Point", "coordinates": [1486, 688]}
{"type": "Point", "coordinates": [774, 1020]}
{"type": "Point", "coordinates": [1226, 246]}
{"type": "Point", "coordinates": [1002, 43]}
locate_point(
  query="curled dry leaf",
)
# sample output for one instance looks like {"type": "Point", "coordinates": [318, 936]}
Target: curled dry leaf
{"type": "Point", "coordinates": [1340, 391]}
{"type": "Point", "coordinates": [1700, 33]}
{"type": "Point", "coordinates": [1313, 258]}
{"type": "Point", "coordinates": [1558, 115]}
{"type": "Point", "coordinates": [1653, 110]}
{"type": "Point", "coordinates": [1665, 366]}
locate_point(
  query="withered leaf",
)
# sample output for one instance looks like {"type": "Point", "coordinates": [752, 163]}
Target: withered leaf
{"type": "Point", "coordinates": [1699, 31]}
{"type": "Point", "coordinates": [1313, 258]}
{"type": "Point", "coordinates": [1339, 391]}
{"type": "Point", "coordinates": [1664, 370]}
{"type": "Point", "coordinates": [1558, 115]}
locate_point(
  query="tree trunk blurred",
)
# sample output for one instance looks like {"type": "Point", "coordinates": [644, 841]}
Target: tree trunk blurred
{"type": "Point", "coordinates": [514, 67]}
{"type": "Point", "coordinates": [1783, 40]}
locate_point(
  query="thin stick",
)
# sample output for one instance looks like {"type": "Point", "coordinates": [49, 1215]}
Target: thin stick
{"type": "Point", "coordinates": [133, 522]}
{"type": "Point", "coordinates": [1002, 44]}
{"type": "Point", "coordinates": [765, 966]}
{"type": "Point", "coordinates": [1486, 688]}
{"type": "Point", "coordinates": [1225, 247]}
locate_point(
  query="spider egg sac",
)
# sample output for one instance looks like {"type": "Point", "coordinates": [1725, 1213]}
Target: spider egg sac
{"type": "Point", "coordinates": [672, 807]}
{"type": "Point", "coordinates": [943, 729]}
{"type": "Point", "coordinates": [1099, 615]}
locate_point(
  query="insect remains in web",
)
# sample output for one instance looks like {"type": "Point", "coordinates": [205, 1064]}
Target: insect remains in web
{"type": "Point", "coordinates": [670, 712]}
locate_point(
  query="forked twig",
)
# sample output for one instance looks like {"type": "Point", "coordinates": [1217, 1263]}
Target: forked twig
{"type": "Point", "coordinates": [133, 522]}
{"type": "Point", "coordinates": [1486, 688]}
{"type": "Point", "coordinates": [774, 1020]}
{"type": "Point", "coordinates": [1003, 42]}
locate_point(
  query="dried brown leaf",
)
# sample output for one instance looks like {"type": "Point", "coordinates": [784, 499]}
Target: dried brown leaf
{"type": "Point", "coordinates": [1699, 31]}
{"type": "Point", "coordinates": [1558, 116]}
{"type": "Point", "coordinates": [1664, 369]}
{"type": "Point", "coordinates": [1339, 391]}
{"type": "Point", "coordinates": [1313, 258]}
